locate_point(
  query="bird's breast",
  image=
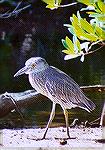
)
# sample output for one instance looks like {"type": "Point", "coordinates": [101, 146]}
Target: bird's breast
{"type": "Point", "coordinates": [38, 83]}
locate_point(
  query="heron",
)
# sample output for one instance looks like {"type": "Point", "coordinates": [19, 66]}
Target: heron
{"type": "Point", "coordinates": [56, 85]}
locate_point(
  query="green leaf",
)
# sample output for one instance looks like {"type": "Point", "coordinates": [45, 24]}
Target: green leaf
{"type": "Point", "coordinates": [78, 15]}
{"type": "Point", "coordinates": [64, 44]}
{"type": "Point", "coordinates": [52, 4]}
{"type": "Point", "coordinates": [83, 33]}
{"type": "Point", "coordinates": [67, 43]}
{"type": "Point", "coordinates": [101, 18]}
{"type": "Point", "coordinates": [78, 45]}
{"type": "Point", "coordinates": [70, 44]}
{"type": "Point", "coordinates": [51, 7]}
{"type": "Point", "coordinates": [84, 36]}
{"type": "Point", "coordinates": [100, 32]}
{"type": "Point", "coordinates": [86, 26]}
{"type": "Point", "coordinates": [97, 15]}
{"type": "Point", "coordinates": [100, 6]}
{"type": "Point", "coordinates": [75, 19]}
{"type": "Point", "coordinates": [90, 37]}
{"type": "Point", "coordinates": [89, 2]}
{"type": "Point", "coordinates": [70, 28]}
{"type": "Point", "coordinates": [75, 44]}
{"type": "Point", "coordinates": [91, 12]}
{"type": "Point", "coordinates": [66, 52]}
{"type": "Point", "coordinates": [86, 2]}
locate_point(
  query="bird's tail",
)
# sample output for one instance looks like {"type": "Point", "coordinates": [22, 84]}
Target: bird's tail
{"type": "Point", "coordinates": [88, 105]}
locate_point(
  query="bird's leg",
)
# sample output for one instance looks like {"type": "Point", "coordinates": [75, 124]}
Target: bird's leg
{"type": "Point", "coordinates": [67, 123]}
{"type": "Point", "coordinates": [50, 119]}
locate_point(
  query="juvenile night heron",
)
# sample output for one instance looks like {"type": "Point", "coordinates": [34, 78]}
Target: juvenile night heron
{"type": "Point", "coordinates": [57, 86]}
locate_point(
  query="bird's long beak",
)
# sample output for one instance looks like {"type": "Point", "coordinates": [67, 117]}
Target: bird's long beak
{"type": "Point", "coordinates": [21, 71]}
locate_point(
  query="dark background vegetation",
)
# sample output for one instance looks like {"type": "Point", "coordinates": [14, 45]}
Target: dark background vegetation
{"type": "Point", "coordinates": [37, 31]}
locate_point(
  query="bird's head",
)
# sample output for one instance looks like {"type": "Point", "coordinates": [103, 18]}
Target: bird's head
{"type": "Point", "coordinates": [33, 65]}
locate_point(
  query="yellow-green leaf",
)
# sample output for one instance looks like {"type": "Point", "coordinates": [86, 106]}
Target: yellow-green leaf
{"type": "Point", "coordinates": [70, 44]}
{"type": "Point", "coordinates": [91, 37]}
{"type": "Point", "coordinates": [51, 7]}
{"type": "Point", "coordinates": [52, 2]}
{"type": "Point", "coordinates": [86, 2]}
{"type": "Point", "coordinates": [100, 32]}
{"type": "Point", "coordinates": [90, 12]}
{"type": "Point", "coordinates": [101, 18]}
{"type": "Point", "coordinates": [75, 19]}
{"type": "Point", "coordinates": [66, 51]}
{"type": "Point", "coordinates": [85, 36]}
{"type": "Point", "coordinates": [78, 46]}
{"type": "Point", "coordinates": [100, 6]}
{"type": "Point", "coordinates": [65, 44]}
{"type": "Point", "coordinates": [82, 35]}
{"type": "Point", "coordinates": [78, 31]}
{"type": "Point", "coordinates": [86, 26]}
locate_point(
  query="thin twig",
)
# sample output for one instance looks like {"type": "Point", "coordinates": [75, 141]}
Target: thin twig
{"type": "Point", "coordinates": [2, 1]}
{"type": "Point", "coordinates": [67, 5]}
{"type": "Point", "coordinates": [96, 120]}
{"type": "Point", "coordinates": [14, 102]}
{"type": "Point", "coordinates": [93, 51]}
{"type": "Point", "coordinates": [94, 43]}
{"type": "Point", "coordinates": [17, 6]}
{"type": "Point", "coordinates": [14, 12]}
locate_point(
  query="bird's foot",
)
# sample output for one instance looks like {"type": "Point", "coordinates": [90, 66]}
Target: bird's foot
{"type": "Point", "coordinates": [33, 137]}
{"type": "Point", "coordinates": [56, 138]}
{"type": "Point", "coordinates": [42, 138]}
{"type": "Point", "coordinates": [65, 138]}
{"type": "Point", "coordinates": [39, 139]}
{"type": "Point", "coordinates": [71, 138]}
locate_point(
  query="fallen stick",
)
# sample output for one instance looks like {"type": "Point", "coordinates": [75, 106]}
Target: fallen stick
{"type": "Point", "coordinates": [22, 99]}
{"type": "Point", "coordinates": [10, 101]}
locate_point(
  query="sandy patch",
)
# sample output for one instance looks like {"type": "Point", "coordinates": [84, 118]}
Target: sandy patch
{"type": "Point", "coordinates": [83, 137]}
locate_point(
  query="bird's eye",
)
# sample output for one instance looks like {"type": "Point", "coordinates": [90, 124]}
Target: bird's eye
{"type": "Point", "coordinates": [33, 65]}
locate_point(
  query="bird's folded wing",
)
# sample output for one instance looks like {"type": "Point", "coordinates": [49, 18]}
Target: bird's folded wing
{"type": "Point", "coordinates": [63, 91]}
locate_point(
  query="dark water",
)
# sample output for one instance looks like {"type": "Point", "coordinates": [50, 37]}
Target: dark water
{"type": "Point", "coordinates": [45, 30]}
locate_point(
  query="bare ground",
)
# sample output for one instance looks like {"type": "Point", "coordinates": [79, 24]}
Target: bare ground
{"type": "Point", "coordinates": [56, 137]}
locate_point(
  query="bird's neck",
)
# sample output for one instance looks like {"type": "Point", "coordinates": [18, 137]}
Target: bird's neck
{"type": "Point", "coordinates": [40, 69]}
